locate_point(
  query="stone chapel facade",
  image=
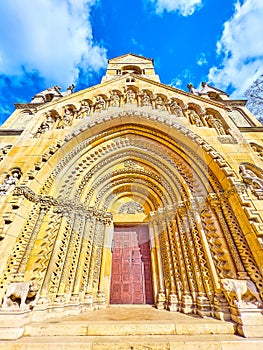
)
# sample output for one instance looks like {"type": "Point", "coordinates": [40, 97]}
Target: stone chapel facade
{"type": "Point", "coordinates": [132, 192]}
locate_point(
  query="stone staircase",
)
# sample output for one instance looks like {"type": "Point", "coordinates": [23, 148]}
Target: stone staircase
{"type": "Point", "coordinates": [131, 328]}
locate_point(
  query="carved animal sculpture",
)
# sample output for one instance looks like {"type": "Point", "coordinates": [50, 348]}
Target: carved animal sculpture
{"type": "Point", "coordinates": [18, 290]}
{"type": "Point", "coordinates": [240, 291]}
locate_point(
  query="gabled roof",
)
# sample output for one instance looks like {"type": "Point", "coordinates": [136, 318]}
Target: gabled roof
{"type": "Point", "coordinates": [130, 54]}
{"type": "Point", "coordinates": [145, 79]}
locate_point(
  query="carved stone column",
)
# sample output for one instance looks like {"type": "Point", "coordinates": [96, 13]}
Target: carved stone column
{"type": "Point", "coordinates": [216, 205]}
{"type": "Point", "coordinates": [154, 262]}
{"type": "Point", "coordinates": [52, 276]}
{"type": "Point", "coordinates": [175, 295]}
{"type": "Point", "coordinates": [106, 245]}
{"type": "Point", "coordinates": [79, 228]}
{"type": "Point", "coordinates": [86, 261]}
{"type": "Point", "coordinates": [65, 257]}
{"type": "Point", "coordinates": [95, 264]}
{"type": "Point", "coordinates": [200, 266]}
{"type": "Point", "coordinates": [42, 210]}
{"type": "Point", "coordinates": [189, 293]}
{"type": "Point", "coordinates": [160, 303]}
{"type": "Point", "coordinates": [105, 272]}
{"type": "Point", "coordinates": [167, 260]}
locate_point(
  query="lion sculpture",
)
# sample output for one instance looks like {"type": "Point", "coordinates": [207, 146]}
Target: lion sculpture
{"type": "Point", "coordinates": [241, 292]}
{"type": "Point", "coordinates": [18, 293]}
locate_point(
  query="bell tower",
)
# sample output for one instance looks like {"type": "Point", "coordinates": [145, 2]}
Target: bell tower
{"type": "Point", "coordinates": [130, 64]}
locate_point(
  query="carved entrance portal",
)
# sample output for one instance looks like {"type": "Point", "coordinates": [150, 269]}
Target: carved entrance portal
{"type": "Point", "coordinates": [131, 278]}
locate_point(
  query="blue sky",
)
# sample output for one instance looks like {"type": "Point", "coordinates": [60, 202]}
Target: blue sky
{"type": "Point", "coordinates": [57, 42]}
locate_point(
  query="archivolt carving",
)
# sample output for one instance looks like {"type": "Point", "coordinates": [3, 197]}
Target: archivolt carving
{"type": "Point", "coordinates": [151, 198]}
{"type": "Point", "coordinates": [120, 144]}
{"type": "Point", "coordinates": [140, 176]}
{"type": "Point", "coordinates": [158, 192]}
{"type": "Point", "coordinates": [82, 145]}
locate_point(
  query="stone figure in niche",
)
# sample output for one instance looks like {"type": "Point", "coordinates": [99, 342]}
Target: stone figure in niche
{"type": "Point", "coordinates": [66, 119]}
{"type": "Point", "coordinates": [100, 104]}
{"type": "Point", "coordinates": [216, 123]}
{"type": "Point", "coordinates": [44, 126]}
{"type": "Point", "coordinates": [195, 119]}
{"type": "Point", "coordinates": [252, 179]}
{"type": "Point", "coordinates": [84, 110]}
{"type": "Point", "coordinates": [176, 109]}
{"type": "Point", "coordinates": [130, 96]}
{"type": "Point", "coordinates": [159, 104]}
{"type": "Point", "coordinates": [114, 99]}
{"type": "Point", "coordinates": [9, 183]}
{"type": "Point", "coordinates": [50, 121]}
{"type": "Point", "coordinates": [145, 100]}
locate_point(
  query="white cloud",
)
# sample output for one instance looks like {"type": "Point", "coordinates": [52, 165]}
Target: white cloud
{"type": "Point", "coordinates": [240, 49]}
{"type": "Point", "coordinates": [182, 79]}
{"type": "Point", "coordinates": [202, 60]}
{"type": "Point", "coordinates": [184, 7]}
{"type": "Point", "coordinates": [52, 37]}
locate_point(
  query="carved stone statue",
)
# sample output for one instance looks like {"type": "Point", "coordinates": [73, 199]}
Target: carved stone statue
{"type": "Point", "coordinates": [205, 89]}
{"type": "Point", "coordinates": [69, 90]}
{"type": "Point", "coordinates": [52, 93]}
{"type": "Point", "coordinates": [47, 95]}
{"type": "Point", "coordinates": [254, 181]}
{"type": "Point", "coordinates": [192, 90]}
{"type": "Point", "coordinates": [159, 104]}
{"type": "Point", "coordinates": [130, 96]}
{"type": "Point", "coordinates": [84, 110]}
{"type": "Point", "coordinates": [240, 292]}
{"type": "Point", "coordinates": [66, 119]}
{"type": "Point", "coordinates": [100, 104]}
{"type": "Point", "coordinates": [195, 119]}
{"type": "Point", "coordinates": [145, 100]}
{"type": "Point", "coordinates": [114, 99]}
{"type": "Point", "coordinates": [176, 109]}
{"type": "Point", "coordinates": [8, 183]}
{"type": "Point", "coordinates": [17, 294]}
{"type": "Point", "coordinates": [217, 124]}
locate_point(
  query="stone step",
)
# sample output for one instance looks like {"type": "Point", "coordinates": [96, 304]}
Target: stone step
{"type": "Point", "coordinates": [139, 342]}
{"type": "Point", "coordinates": [124, 328]}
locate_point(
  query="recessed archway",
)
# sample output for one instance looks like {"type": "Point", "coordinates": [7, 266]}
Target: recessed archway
{"type": "Point", "coordinates": [174, 179]}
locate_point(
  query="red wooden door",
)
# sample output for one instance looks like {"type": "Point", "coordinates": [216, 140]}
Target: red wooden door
{"type": "Point", "coordinates": [131, 280]}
